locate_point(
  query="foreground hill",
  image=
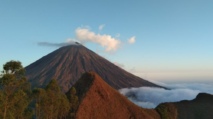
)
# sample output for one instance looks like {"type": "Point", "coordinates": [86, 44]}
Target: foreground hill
{"type": "Point", "coordinates": [100, 101]}
{"type": "Point", "coordinates": [199, 108]}
{"type": "Point", "coordinates": [68, 63]}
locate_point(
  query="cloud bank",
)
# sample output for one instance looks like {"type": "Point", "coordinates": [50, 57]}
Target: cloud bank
{"type": "Point", "coordinates": [84, 35]}
{"type": "Point", "coordinates": [148, 97]}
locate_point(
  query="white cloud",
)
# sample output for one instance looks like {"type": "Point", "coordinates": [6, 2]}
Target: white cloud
{"type": "Point", "coordinates": [131, 40]}
{"type": "Point", "coordinates": [118, 64]}
{"type": "Point", "coordinates": [118, 35]}
{"type": "Point", "coordinates": [149, 97]}
{"type": "Point", "coordinates": [85, 35]}
{"type": "Point", "coordinates": [101, 26]}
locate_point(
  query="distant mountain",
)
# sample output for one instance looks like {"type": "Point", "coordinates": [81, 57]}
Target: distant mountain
{"type": "Point", "coordinates": [199, 108]}
{"type": "Point", "coordinates": [68, 63]}
{"type": "Point", "coordinates": [100, 101]}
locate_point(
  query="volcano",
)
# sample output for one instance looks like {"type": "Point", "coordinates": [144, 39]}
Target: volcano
{"type": "Point", "coordinates": [68, 63]}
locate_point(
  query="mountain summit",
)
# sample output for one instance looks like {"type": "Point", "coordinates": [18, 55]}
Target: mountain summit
{"type": "Point", "coordinates": [68, 63]}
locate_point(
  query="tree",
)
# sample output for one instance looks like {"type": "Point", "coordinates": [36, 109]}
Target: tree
{"type": "Point", "coordinates": [21, 106]}
{"type": "Point", "coordinates": [28, 113]}
{"type": "Point", "coordinates": [13, 67]}
{"type": "Point", "coordinates": [51, 100]}
{"type": "Point", "coordinates": [73, 102]}
{"type": "Point", "coordinates": [38, 94]}
{"type": "Point", "coordinates": [167, 111]}
{"type": "Point", "coordinates": [2, 100]}
{"type": "Point", "coordinates": [64, 106]}
{"type": "Point", "coordinates": [15, 94]}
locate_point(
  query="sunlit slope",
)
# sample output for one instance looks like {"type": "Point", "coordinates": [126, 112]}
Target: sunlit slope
{"type": "Point", "coordinates": [98, 100]}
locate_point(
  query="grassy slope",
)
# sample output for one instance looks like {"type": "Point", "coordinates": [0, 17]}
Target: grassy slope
{"type": "Point", "coordinates": [100, 101]}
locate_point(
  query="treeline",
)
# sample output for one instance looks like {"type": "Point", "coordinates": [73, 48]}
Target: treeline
{"type": "Point", "coordinates": [16, 95]}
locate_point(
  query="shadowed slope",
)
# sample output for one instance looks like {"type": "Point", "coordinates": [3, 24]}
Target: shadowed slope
{"type": "Point", "coordinates": [199, 108]}
{"type": "Point", "coordinates": [68, 63]}
{"type": "Point", "coordinates": [100, 101]}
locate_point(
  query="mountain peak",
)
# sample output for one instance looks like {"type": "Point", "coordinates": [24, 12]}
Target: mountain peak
{"type": "Point", "coordinates": [86, 81]}
{"type": "Point", "coordinates": [76, 44]}
{"type": "Point", "coordinates": [68, 63]}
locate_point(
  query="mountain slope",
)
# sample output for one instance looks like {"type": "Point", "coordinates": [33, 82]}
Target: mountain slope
{"type": "Point", "coordinates": [68, 63]}
{"type": "Point", "coordinates": [100, 101]}
{"type": "Point", "coordinates": [199, 108]}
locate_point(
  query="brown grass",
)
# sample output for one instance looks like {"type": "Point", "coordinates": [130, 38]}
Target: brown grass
{"type": "Point", "coordinates": [100, 101]}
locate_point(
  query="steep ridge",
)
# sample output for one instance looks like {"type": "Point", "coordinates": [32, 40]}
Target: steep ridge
{"type": "Point", "coordinates": [68, 63]}
{"type": "Point", "coordinates": [100, 101]}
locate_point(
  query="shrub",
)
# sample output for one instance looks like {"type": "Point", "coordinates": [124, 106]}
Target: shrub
{"type": "Point", "coordinates": [167, 111]}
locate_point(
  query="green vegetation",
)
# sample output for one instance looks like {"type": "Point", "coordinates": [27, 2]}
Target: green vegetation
{"type": "Point", "coordinates": [38, 95]}
{"type": "Point", "coordinates": [167, 111]}
{"type": "Point", "coordinates": [73, 102]}
{"type": "Point", "coordinates": [64, 107]}
{"type": "Point", "coordinates": [16, 95]}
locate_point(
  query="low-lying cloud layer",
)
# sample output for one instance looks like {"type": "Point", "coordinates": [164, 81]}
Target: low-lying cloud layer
{"type": "Point", "coordinates": [148, 97]}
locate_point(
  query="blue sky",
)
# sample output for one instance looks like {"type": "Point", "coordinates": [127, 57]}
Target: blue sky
{"type": "Point", "coordinates": [173, 39]}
